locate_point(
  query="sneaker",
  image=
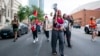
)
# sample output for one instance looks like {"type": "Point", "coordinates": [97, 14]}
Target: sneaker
{"type": "Point", "coordinates": [14, 40]}
{"type": "Point", "coordinates": [69, 46]}
{"type": "Point", "coordinates": [54, 53]}
{"type": "Point", "coordinates": [93, 39]}
{"type": "Point", "coordinates": [36, 39]}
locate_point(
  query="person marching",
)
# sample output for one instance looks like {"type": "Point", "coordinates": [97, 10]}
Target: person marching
{"type": "Point", "coordinates": [67, 30]}
{"type": "Point", "coordinates": [93, 26]}
{"type": "Point", "coordinates": [34, 32]}
{"type": "Point", "coordinates": [45, 27]}
{"type": "Point", "coordinates": [57, 33]}
{"type": "Point", "coordinates": [15, 25]}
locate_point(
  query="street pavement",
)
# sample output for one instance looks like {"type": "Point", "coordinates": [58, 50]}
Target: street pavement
{"type": "Point", "coordinates": [81, 46]}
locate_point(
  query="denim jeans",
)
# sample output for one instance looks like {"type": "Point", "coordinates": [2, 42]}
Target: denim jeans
{"type": "Point", "coordinates": [57, 35]}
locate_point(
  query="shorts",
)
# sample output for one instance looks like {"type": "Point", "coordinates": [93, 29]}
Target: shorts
{"type": "Point", "coordinates": [15, 29]}
{"type": "Point", "coordinates": [93, 30]}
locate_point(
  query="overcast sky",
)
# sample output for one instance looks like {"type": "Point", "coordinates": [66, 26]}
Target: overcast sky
{"type": "Point", "coordinates": [65, 5]}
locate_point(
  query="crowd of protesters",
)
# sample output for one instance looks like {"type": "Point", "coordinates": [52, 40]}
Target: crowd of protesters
{"type": "Point", "coordinates": [61, 30]}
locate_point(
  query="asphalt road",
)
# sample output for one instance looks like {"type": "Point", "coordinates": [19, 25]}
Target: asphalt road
{"type": "Point", "coordinates": [81, 46]}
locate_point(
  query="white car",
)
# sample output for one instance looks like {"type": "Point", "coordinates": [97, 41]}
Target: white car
{"type": "Point", "coordinates": [88, 30]}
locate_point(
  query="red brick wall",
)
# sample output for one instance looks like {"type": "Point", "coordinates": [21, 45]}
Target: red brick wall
{"type": "Point", "coordinates": [85, 15]}
{"type": "Point", "coordinates": [90, 13]}
{"type": "Point", "coordinates": [78, 15]}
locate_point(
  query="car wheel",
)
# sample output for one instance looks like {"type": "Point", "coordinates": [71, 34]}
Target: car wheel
{"type": "Point", "coordinates": [86, 30]}
{"type": "Point", "coordinates": [0, 37]}
{"type": "Point", "coordinates": [98, 33]}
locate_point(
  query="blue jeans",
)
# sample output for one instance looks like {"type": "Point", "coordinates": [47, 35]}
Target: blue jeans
{"type": "Point", "coordinates": [38, 28]}
{"type": "Point", "coordinates": [57, 35]}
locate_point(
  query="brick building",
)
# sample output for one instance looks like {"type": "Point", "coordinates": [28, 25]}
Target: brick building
{"type": "Point", "coordinates": [82, 15]}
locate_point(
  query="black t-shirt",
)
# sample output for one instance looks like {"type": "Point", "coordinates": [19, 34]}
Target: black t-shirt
{"type": "Point", "coordinates": [15, 25]}
{"type": "Point", "coordinates": [70, 21]}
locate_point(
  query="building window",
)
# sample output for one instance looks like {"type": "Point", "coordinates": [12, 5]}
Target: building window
{"type": "Point", "coordinates": [8, 13]}
{"type": "Point", "coordinates": [0, 18]}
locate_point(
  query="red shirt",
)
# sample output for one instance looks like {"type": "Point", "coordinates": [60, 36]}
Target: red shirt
{"type": "Point", "coordinates": [60, 20]}
{"type": "Point", "coordinates": [92, 24]}
{"type": "Point", "coordinates": [33, 28]}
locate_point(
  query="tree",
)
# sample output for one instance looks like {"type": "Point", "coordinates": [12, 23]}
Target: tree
{"type": "Point", "coordinates": [25, 12]}
{"type": "Point", "coordinates": [40, 12]}
{"type": "Point", "coordinates": [21, 13]}
{"type": "Point", "coordinates": [28, 11]}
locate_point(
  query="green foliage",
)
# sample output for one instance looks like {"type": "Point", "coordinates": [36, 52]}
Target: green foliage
{"type": "Point", "coordinates": [25, 12]}
{"type": "Point", "coordinates": [28, 11]}
{"type": "Point", "coordinates": [21, 13]}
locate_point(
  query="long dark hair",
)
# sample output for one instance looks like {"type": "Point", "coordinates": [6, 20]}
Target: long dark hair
{"type": "Point", "coordinates": [64, 16]}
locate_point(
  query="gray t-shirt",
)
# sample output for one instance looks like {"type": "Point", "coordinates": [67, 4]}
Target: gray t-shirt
{"type": "Point", "coordinates": [66, 23]}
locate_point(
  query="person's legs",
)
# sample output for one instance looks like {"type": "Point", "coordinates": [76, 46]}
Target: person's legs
{"type": "Point", "coordinates": [47, 34]}
{"type": "Point", "coordinates": [54, 41]}
{"type": "Point", "coordinates": [36, 36]}
{"type": "Point", "coordinates": [61, 42]}
{"type": "Point", "coordinates": [68, 36]}
{"type": "Point", "coordinates": [94, 35]}
{"type": "Point", "coordinates": [33, 32]}
{"type": "Point", "coordinates": [15, 34]}
{"type": "Point", "coordinates": [39, 28]}
{"type": "Point", "coordinates": [64, 36]}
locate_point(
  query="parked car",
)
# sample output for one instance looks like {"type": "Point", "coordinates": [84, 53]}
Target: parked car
{"type": "Point", "coordinates": [76, 26]}
{"type": "Point", "coordinates": [88, 30]}
{"type": "Point", "coordinates": [23, 28]}
{"type": "Point", "coordinates": [7, 30]}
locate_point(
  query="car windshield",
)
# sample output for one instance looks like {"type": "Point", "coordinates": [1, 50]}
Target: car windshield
{"type": "Point", "coordinates": [98, 21]}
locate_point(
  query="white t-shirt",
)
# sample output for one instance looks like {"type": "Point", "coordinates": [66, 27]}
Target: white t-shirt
{"type": "Point", "coordinates": [47, 25]}
{"type": "Point", "coordinates": [66, 23]}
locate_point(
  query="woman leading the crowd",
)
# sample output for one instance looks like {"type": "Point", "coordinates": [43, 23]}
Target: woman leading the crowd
{"type": "Point", "coordinates": [57, 33]}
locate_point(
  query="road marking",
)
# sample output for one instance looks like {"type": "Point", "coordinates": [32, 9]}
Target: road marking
{"type": "Point", "coordinates": [40, 45]}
